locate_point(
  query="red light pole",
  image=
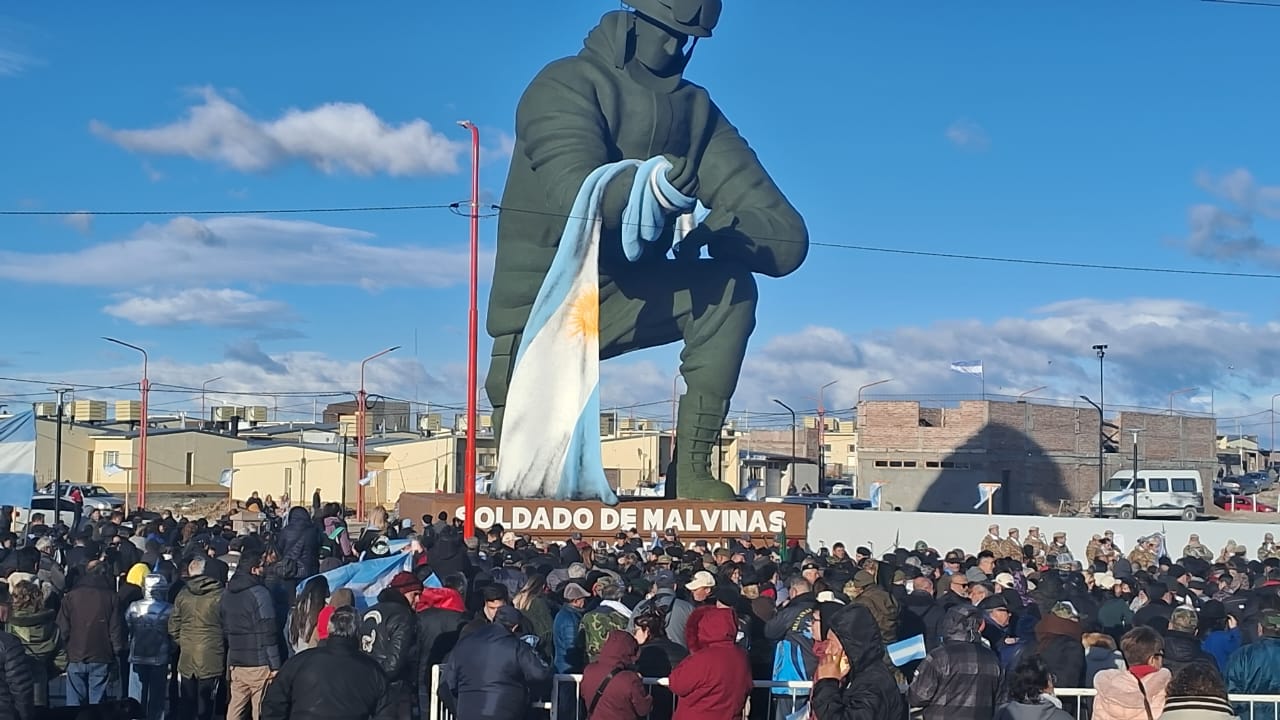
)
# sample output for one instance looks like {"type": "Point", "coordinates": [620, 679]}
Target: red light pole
{"type": "Point", "coordinates": [145, 388]}
{"type": "Point", "coordinates": [473, 314]}
{"type": "Point", "coordinates": [362, 406]}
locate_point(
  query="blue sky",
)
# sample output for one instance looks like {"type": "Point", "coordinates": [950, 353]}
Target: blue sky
{"type": "Point", "coordinates": [1134, 133]}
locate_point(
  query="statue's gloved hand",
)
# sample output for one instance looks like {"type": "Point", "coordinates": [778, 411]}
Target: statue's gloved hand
{"type": "Point", "coordinates": [683, 175]}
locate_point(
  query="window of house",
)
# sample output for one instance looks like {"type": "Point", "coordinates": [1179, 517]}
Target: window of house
{"type": "Point", "coordinates": [895, 463]}
{"type": "Point", "coordinates": [826, 448]}
{"type": "Point", "coordinates": [1184, 485]}
{"type": "Point", "coordinates": [908, 463]}
{"type": "Point", "coordinates": [852, 447]}
{"type": "Point", "coordinates": [932, 464]}
{"type": "Point", "coordinates": [882, 463]}
{"type": "Point", "coordinates": [110, 457]}
{"type": "Point", "coordinates": [190, 470]}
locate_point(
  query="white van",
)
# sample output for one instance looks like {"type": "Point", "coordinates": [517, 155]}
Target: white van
{"type": "Point", "coordinates": [1153, 493]}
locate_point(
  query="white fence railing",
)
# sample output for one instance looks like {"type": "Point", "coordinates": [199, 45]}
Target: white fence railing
{"type": "Point", "coordinates": [562, 702]}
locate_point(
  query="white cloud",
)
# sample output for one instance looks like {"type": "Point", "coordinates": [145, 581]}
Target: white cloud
{"type": "Point", "coordinates": [331, 137]}
{"type": "Point", "coordinates": [81, 221]}
{"type": "Point", "coordinates": [13, 62]}
{"type": "Point", "coordinates": [968, 135]}
{"type": "Point", "coordinates": [233, 249]}
{"type": "Point", "coordinates": [223, 307]}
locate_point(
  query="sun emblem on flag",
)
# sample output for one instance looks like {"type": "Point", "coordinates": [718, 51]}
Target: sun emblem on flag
{"type": "Point", "coordinates": [584, 314]}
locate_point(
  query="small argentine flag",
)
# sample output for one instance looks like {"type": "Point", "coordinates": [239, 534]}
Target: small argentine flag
{"type": "Point", "coordinates": [967, 367]}
{"type": "Point", "coordinates": [985, 492]}
{"type": "Point", "coordinates": [228, 474]}
{"type": "Point", "coordinates": [905, 651]}
{"type": "Point", "coordinates": [875, 495]}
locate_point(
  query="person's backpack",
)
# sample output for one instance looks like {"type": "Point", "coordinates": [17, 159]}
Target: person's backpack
{"type": "Point", "coordinates": [330, 541]}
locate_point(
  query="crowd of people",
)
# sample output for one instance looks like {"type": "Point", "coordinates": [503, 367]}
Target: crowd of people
{"type": "Point", "coordinates": [192, 619]}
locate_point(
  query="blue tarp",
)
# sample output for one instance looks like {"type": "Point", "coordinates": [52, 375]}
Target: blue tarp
{"type": "Point", "coordinates": [17, 459]}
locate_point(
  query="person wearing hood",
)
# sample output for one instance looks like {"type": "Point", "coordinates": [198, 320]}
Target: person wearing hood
{"type": "Point", "coordinates": [960, 680]}
{"type": "Point", "coordinates": [1254, 669]}
{"type": "Point", "coordinates": [611, 688]}
{"type": "Point", "coordinates": [1138, 692]}
{"type": "Point", "coordinates": [863, 590]}
{"type": "Point", "coordinates": [299, 546]}
{"type": "Point", "coordinates": [1031, 694]}
{"type": "Point", "coordinates": [714, 681]}
{"type": "Point", "coordinates": [33, 624]}
{"type": "Point", "coordinates": [1197, 692]}
{"type": "Point", "coordinates": [1058, 641]}
{"type": "Point", "coordinates": [254, 636]}
{"type": "Point", "coordinates": [441, 613]}
{"type": "Point", "coordinates": [852, 681]}
{"type": "Point", "coordinates": [335, 681]}
{"type": "Point", "coordinates": [93, 625]}
{"type": "Point", "coordinates": [150, 646]}
{"type": "Point", "coordinates": [196, 627]}
{"type": "Point", "coordinates": [1100, 654]}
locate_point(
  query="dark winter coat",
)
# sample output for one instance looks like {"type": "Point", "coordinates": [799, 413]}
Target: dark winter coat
{"type": "Point", "coordinates": [196, 627]}
{"type": "Point", "coordinates": [611, 688]}
{"type": "Point", "coordinates": [299, 546]}
{"type": "Point", "coordinates": [253, 632]}
{"type": "Point", "coordinates": [922, 615]}
{"type": "Point", "coordinates": [713, 682]}
{"type": "Point", "coordinates": [1058, 642]}
{"type": "Point", "coordinates": [334, 681]}
{"type": "Point", "coordinates": [868, 691]}
{"type": "Point", "coordinates": [491, 675]}
{"type": "Point", "coordinates": [582, 112]}
{"type": "Point", "coordinates": [439, 625]}
{"type": "Point", "coordinates": [658, 657]}
{"type": "Point", "coordinates": [960, 680]}
{"type": "Point", "coordinates": [92, 621]}
{"type": "Point", "coordinates": [793, 658]}
{"type": "Point", "coordinates": [1182, 649]}
{"type": "Point", "coordinates": [389, 634]}
{"type": "Point", "coordinates": [448, 556]}
{"type": "Point", "coordinates": [17, 699]}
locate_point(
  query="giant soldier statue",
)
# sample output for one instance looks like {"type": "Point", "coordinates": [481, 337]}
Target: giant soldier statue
{"type": "Point", "coordinates": [624, 97]}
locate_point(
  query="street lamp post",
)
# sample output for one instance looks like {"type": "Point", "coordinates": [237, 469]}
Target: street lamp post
{"type": "Point", "coordinates": [1136, 432]}
{"type": "Point", "coordinates": [1178, 392]}
{"type": "Point", "coordinates": [204, 389]}
{"type": "Point", "coordinates": [145, 388]}
{"type": "Point", "coordinates": [858, 404]}
{"type": "Point", "coordinates": [57, 452]}
{"type": "Point", "coordinates": [1101, 470]}
{"type": "Point", "coordinates": [362, 407]}
{"type": "Point", "coordinates": [822, 434]}
{"type": "Point", "coordinates": [791, 466]}
{"type": "Point", "coordinates": [1273, 424]}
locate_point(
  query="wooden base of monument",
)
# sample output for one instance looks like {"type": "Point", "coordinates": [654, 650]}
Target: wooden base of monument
{"type": "Point", "coordinates": [555, 520]}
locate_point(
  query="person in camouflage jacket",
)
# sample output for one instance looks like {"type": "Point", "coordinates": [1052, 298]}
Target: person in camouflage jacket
{"type": "Point", "coordinates": [606, 617]}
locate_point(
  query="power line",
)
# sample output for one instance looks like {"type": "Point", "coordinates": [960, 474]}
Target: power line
{"type": "Point", "coordinates": [223, 211]}
{"type": "Point", "coordinates": [1255, 3]}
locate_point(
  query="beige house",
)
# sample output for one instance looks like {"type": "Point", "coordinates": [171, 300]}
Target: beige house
{"type": "Point", "coordinates": [178, 460]}
{"type": "Point", "coordinates": [635, 461]}
{"type": "Point", "coordinates": [297, 470]}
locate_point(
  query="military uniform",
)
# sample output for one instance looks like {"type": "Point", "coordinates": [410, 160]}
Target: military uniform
{"type": "Point", "coordinates": [994, 544]}
{"type": "Point", "coordinates": [1141, 558]}
{"type": "Point", "coordinates": [602, 106]}
{"type": "Point", "coordinates": [1012, 548]}
{"type": "Point", "coordinates": [1036, 542]}
{"type": "Point", "coordinates": [1198, 551]}
{"type": "Point", "coordinates": [1093, 550]}
{"type": "Point", "coordinates": [1268, 550]}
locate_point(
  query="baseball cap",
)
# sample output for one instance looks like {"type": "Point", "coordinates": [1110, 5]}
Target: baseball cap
{"type": "Point", "coordinates": [701, 579]}
{"type": "Point", "coordinates": [664, 579]}
{"type": "Point", "coordinates": [994, 602]}
{"type": "Point", "coordinates": [1005, 580]}
{"type": "Point", "coordinates": [810, 565]}
{"type": "Point", "coordinates": [577, 570]}
{"type": "Point", "coordinates": [975, 575]}
{"type": "Point", "coordinates": [921, 546]}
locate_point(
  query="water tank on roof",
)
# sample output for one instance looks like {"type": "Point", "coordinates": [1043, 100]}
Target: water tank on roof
{"type": "Point", "coordinates": [89, 410]}
{"type": "Point", "coordinates": [256, 413]}
{"type": "Point", "coordinates": [128, 411]}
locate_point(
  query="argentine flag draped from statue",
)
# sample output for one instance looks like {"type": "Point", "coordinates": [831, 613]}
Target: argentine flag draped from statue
{"type": "Point", "coordinates": [551, 429]}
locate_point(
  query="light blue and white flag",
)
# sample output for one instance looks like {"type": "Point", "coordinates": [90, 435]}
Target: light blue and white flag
{"type": "Point", "coordinates": [227, 476]}
{"type": "Point", "coordinates": [905, 651]}
{"type": "Point", "coordinates": [967, 367]}
{"type": "Point", "coordinates": [551, 426]}
{"type": "Point", "coordinates": [984, 493]}
{"type": "Point", "coordinates": [18, 459]}
{"type": "Point", "coordinates": [367, 578]}
{"type": "Point", "coordinates": [875, 495]}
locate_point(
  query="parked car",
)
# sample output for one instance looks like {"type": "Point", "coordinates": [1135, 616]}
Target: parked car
{"type": "Point", "coordinates": [1262, 480]}
{"type": "Point", "coordinates": [1241, 503]}
{"type": "Point", "coordinates": [91, 496]}
{"type": "Point", "coordinates": [1230, 483]}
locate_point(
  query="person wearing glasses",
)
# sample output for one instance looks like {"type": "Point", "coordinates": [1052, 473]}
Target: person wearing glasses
{"type": "Point", "coordinates": [1137, 692]}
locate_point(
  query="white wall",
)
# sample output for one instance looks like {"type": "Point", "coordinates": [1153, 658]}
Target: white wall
{"type": "Point", "coordinates": [879, 530]}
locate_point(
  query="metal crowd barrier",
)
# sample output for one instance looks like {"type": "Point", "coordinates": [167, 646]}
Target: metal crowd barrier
{"type": "Point", "coordinates": [563, 704]}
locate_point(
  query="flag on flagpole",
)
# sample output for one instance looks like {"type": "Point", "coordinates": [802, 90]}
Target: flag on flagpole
{"type": "Point", "coordinates": [985, 491]}
{"type": "Point", "coordinates": [228, 474]}
{"type": "Point", "coordinates": [369, 478]}
{"type": "Point", "coordinates": [967, 367]}
{"type": "Point", "coordinates": [875, 495]}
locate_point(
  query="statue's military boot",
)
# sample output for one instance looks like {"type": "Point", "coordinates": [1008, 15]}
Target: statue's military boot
{"type": "Point", "coordinates": [698, 429]}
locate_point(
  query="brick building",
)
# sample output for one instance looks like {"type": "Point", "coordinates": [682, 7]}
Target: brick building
{"type": "Point", "coordinates": [933, 458]}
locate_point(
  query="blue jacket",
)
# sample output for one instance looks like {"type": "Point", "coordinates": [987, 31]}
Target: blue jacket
{"type": "Point", "coordinates": [1254, 669]}
{"type": "Point", "coordinates": [566, 632]}
{"type": "Point", "coordinates": [1220, 644]}
{"type": "Point", "coordinates": [792, 629]}
{"type": "Point", "coordinates": [491, 675]}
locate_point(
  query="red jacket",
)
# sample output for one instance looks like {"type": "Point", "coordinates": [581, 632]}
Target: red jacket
{"type": "Point", "coordinates": [440, 598]}
{"type": "Point", "coordinates": [624, 698]}
{"type": "Point", "coordinates": [714, 681]}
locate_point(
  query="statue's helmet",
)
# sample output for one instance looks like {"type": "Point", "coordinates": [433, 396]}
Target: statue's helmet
{"type": "Point", "coordinates": [696, 18]}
